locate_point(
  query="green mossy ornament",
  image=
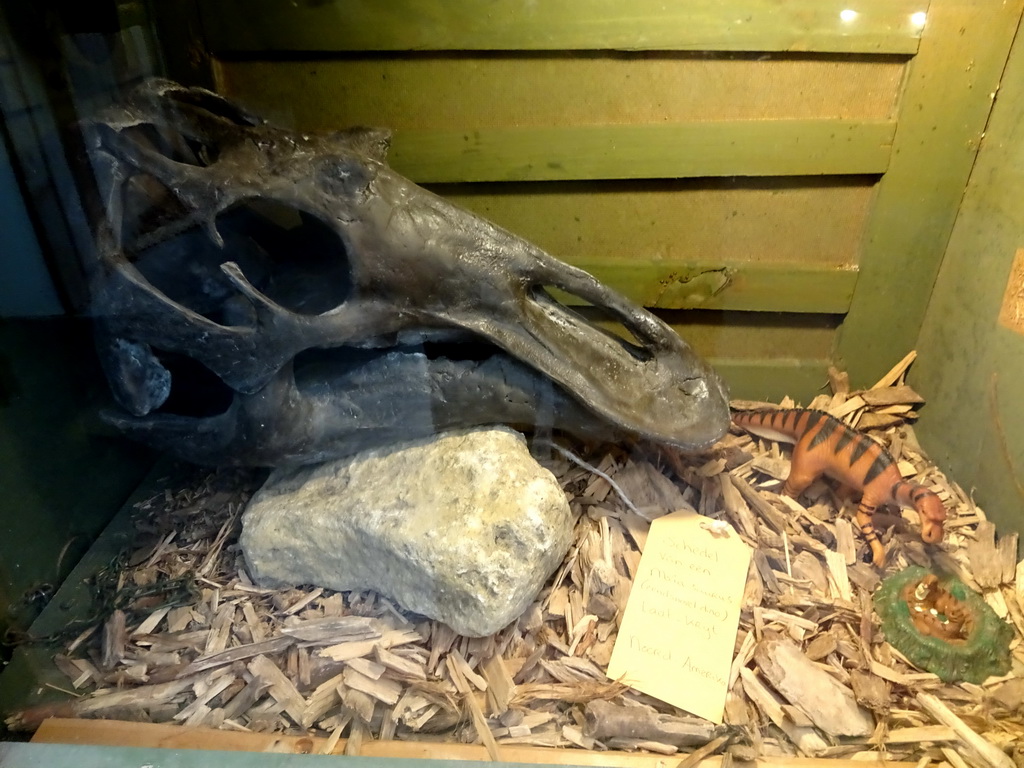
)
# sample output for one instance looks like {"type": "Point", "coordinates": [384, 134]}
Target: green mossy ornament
{"type": "Point", "coordinates": [942, 626]}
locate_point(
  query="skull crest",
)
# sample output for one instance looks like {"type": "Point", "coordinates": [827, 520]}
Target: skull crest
{"type": "Point", "coordinates": [311, 301]}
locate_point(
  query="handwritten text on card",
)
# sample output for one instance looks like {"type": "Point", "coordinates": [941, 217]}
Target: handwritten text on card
{"type": "Point", "coordinates": [679, 628]}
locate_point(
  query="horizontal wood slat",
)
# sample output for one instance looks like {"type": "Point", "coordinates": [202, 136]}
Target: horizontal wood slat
{"type": "Point", "coordinates": [749, 287]}
{"type": "Point", "coordinates": [876, 26]}
{"type": "Point", "coordinates": [434, 91]}
{"type": "Point", "coordinates": [709, 221]}
{"type": "Point", "coordinates": [284, 747]}
{"type": "Point", "coordinates": [772, 379]}
{"type": "Point", "coordinates": [716, 148]}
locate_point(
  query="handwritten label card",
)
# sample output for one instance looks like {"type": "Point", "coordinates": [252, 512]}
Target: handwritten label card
{"type": "Point", "coordinates": [679, 628]}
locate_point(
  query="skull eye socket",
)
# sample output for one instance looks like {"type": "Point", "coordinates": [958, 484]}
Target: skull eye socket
{"type": "Point", "coordinates": [302, 265]}
{"type": "Point", "coordinates": [291, 257]}
{"type": "Point", "coordinates": [212, 103]}
{"type": "Point", "coordinates": [149, 208]}
{"type": "Point", "coordinates": [172, 144]}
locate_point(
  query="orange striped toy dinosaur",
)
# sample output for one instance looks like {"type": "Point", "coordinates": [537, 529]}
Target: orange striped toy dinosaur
{"type": "Point", "coordinates": [823, 445]}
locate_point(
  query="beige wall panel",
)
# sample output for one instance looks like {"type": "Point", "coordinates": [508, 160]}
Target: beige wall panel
{"type": "Point", "coordinates": [431, 92]}
{"type": "Point", "coordinates": [769, 221]}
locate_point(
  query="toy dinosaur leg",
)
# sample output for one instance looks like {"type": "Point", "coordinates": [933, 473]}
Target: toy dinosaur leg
{"type": "Point", "coordinates": [798, 480]}
{"type": "Point", "coordinates": [864, 520]}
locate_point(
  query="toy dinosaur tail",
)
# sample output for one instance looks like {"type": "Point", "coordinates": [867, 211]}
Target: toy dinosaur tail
{"type": "Point", "coordinates": [823, 444]}
{"type": "Point", "coordinates": [785, 426]}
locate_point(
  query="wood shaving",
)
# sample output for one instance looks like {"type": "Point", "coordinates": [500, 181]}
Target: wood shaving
{"type": "Point", "coordinates": [200, 644]}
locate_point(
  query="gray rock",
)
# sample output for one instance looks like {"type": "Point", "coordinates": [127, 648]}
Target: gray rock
{"type": "Point", "coordinates": [464, 528]}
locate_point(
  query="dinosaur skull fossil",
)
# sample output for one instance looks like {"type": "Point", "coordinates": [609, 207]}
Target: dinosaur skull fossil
{"type": "Point", "coordinates": [300, 284]}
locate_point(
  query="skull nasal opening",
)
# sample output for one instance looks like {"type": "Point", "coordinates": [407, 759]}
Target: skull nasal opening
{"type": "Point", "coordinates": [555, 298]}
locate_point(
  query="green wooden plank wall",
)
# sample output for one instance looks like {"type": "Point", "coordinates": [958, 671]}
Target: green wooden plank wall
{"type": "Point", "coordinates": [971, 360]}
{"type": "Point", "coordinates": [540, 124]}
{"type": "Point", "coordinates": [783, 246]}
{"type": "Point", "coordinates": [618, 94]}
{"type": "Point", "coordinates": [945, 108]}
